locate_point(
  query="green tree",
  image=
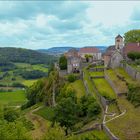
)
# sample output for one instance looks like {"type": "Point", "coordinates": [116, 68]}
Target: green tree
{"type": "Point", "coordinates": [66, 113]}
{"type": "Point", "coordinates": [71, 78]}
{"type": "Point", "coordinates": [56, 132]}
{"type": "Point", "coordinates": [63, 62]}
{"type": "Point", "coordinates": [134, 55]}
{"type": "Point", "coordinates": [132, 36]}
{"type": "Point", "coordinates": [10, 114]}
{"type": "Point", "coordinates": [13, 131]}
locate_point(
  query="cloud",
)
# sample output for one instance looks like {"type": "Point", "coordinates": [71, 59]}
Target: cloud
{"type": "Point", "coordinates": [43, 24]}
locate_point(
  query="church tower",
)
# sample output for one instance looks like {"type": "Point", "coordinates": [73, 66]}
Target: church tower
{"type": "Point", "coordinates": [118, 42]}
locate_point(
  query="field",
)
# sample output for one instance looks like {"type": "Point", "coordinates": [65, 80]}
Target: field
{"type": "Point", "coordinates": [79, 88]}
{"type": "Point", "coordinates": [8, 78]}
{"type": "Point", "coordinates": [126, 126]}
{"type": "Point", "coordinates": [12, 98]}
{"type": "Point", "coordinates": [104, 88]}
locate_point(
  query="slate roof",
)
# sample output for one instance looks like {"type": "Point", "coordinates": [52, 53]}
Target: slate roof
{"type": "Point", "coordinates": [89, 50]}
{"type": "Point", "coordinates": [135, 47]}
{"type": "Point", "coordinates": [119, 36]}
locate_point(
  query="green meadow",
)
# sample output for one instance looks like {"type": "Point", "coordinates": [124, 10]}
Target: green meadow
{"type": "Point", "coordinates": [15, 98]}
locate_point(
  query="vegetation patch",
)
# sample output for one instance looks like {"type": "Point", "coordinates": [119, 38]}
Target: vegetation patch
{"type": "Point", "coordinates": [106, 89]}
{"type": "Point", "coordinates": [78, 86]}
{"type": "Point", "coordinates": [13, 98]}
{"type": "Point", "coordinates": [118, 80]}
{"type": "Point", "coordinates": [126, 126]}
{"type": "Point", "coordinates": [96, 73]}
{"type": "Point", "coordinates": [46, 112]}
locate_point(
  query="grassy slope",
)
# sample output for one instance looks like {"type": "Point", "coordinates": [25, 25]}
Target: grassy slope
{"type": "Point", "coordinates": [104, 88]}
{"type": "Point", "coordinates": [79, 88]}
{"type": "Point", "coordinates": [126, 126]}
{"type": "Point", "coordinates": [45, 112]}
{"type": "Point", "coordinates": [89, 83]}
{"type": "Point", "coordinates": [98, 73]}
{"type": "Point", "coordinates": [121, 85]}
{"type": "Point", "coordinates": [12, 98]}
{"type": "Point", "coordinates": [123, 73]}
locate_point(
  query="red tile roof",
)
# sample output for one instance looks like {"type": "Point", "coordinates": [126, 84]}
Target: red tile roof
{"type": "Point", "coordinates": [89, 50]}
{"type": "Point", "coordinates": [131, 47]}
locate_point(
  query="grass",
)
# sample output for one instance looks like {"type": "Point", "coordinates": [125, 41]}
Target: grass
{"type": "Point", "coordinates": [40, 67]}
{"type": "Point", "coordinates": [126, 126]}
{"type": "Point", "coordinates": [93, 135]}
{"type": "Point", "coordinates": [28, 83]}
{"type": "Point", "coordinates": [98, 73]}
{"type": "Point", "coordinates": [104, 88]}
{"type": "Point", "coordinates": [79, 88]}
{"type": "Point", "coordinates": [119, 84]}
{"type": "Point", "coordinates": [123, 73]}
{"type": "Point", "coordinates": [89, 82]}
{"type": "Point", "coordinates": [137, 67]}
{"type": "Point", "coordinates": [8, 80]}
{"type": "Point", "coordinates": [46, 112]}
{"type": "Point", "coordinates": [12, 98]}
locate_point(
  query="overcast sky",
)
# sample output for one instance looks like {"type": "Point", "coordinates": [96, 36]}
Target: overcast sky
{"type": "Point", "coordinates": [33, 24]}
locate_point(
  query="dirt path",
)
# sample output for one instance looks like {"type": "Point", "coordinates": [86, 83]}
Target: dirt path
{"type": "Point", "coordinates": [39, 124]}
{"type": "Point", "coordinates": [106, 111]}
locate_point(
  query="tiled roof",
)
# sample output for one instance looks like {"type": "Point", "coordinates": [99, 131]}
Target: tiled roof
{"type": "Point", "coordinates": [119, 36]}
{"type": "Point", "coordinates": [89, 50]}
{"type": "Point", "coordinates": [135, 47]}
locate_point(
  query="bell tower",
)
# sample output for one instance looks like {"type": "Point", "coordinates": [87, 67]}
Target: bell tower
{"type": "Point", "coordinates": [118, 42]}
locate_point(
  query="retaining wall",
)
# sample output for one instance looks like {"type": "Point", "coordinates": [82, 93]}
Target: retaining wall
{"type": "Point", "coordinates": [131, 71]}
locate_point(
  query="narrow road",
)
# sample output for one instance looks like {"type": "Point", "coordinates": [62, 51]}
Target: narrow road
{"type": "Point", "coordinates": [39, 124]}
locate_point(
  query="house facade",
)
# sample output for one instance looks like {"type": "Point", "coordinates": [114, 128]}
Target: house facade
{"type": "Point", "coordinates": [92, 51]}
{"type": "Point", "coordinates": [114, 54]}
{"type": "Point", "coordinates": [73, 61]}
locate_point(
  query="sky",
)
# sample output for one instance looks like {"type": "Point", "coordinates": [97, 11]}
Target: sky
{"type": "Point", "coordinates": [45, 24]}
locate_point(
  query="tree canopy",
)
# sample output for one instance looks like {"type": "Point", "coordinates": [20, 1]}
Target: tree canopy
{"type": "Point", "coordinates": [63, 62]}
{"type": "Point", "coordinates": [132, 36]}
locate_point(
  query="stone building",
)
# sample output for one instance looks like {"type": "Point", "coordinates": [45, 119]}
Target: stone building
{"type": "Point", "coordinates": [93, 51]}
{"type": "Point", "coordinates": [114, 54]}
{"type": "Point", "coordinates": [73, 64]}
{"type": "Point", "coordinates": [73, 61]}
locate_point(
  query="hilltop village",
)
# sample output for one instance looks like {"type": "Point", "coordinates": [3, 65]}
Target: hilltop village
{"type": "Point", "coordinates": [113, 57]}
{"type": "Point", "coordinates": [81, 95]}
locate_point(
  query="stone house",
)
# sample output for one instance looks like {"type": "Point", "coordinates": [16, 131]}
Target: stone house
{"type": "Point", "coordinates": [92, 51]}
{"type": "Point", "coordinates": [73, 64]}
{"type": "Point", "coordinates": [73, 61]}
{"type": "Point", "coordinates": [114, 54]}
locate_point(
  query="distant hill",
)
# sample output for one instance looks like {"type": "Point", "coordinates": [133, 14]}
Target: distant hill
{"type": "Point", "coordinates": [61, 50]}
{"type": "Point", "coordinates": [9, 54]}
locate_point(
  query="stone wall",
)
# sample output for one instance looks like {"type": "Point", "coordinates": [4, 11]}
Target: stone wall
{"type": "Point", "coordinates": [131, 71]}
{"type": "Point", "coordinates": [104, 102]}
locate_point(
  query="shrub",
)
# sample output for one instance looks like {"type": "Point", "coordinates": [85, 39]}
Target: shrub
{"type": "Point", "coordinates": [10, 114]}
{"type": "Point", "coordinates": [71, 78]}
